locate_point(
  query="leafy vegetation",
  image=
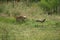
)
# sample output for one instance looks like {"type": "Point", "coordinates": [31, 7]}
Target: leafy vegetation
{"type": "Point", "coordinates": [30, 29]}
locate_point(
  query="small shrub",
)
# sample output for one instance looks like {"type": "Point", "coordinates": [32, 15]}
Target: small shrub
{"type": "Point", "coordinates": [1, 9]}
{"type": "Point", "coordinates": [57, 24]}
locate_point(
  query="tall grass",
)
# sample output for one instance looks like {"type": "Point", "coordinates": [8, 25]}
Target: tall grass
{"type": "Point", "coordinates": [29, 30]}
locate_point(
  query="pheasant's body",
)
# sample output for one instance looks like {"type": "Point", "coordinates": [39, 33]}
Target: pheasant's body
{"type": "Point", "coordinates": [41, 20]}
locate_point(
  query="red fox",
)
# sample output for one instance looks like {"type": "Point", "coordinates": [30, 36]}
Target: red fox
{"type": "Point", "coordinates": [20, 18]}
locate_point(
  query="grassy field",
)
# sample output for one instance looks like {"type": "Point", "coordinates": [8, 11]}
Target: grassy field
{"type": "Point", "coordinates": [29, 30]}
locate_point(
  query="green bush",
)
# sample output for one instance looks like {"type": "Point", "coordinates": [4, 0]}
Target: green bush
{"type": "Point", "coordinates": [2, 8]}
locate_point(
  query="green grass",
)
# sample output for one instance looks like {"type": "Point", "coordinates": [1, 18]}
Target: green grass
{"type": "Point", "coordinates": [29, 30]}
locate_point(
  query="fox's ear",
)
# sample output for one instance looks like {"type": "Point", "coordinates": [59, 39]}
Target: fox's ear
{"type": "Point", "coordinates": [24, 16]}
